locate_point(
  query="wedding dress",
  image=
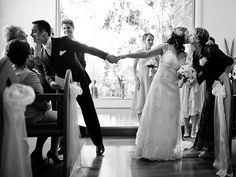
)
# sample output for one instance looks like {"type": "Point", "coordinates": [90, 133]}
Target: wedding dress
{"type": "Point", "coordinates": [159, 133]}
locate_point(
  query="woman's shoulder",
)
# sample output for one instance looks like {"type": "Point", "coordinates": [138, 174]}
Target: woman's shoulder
{"type": "Point", "coordinates": [28, 76]}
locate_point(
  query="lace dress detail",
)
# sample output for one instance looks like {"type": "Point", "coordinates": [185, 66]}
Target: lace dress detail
{"type": "Point", "coordinates": [159, 133]}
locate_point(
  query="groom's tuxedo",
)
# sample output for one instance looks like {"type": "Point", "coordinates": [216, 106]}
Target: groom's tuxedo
{"type": "Point", "coordinates": [63, 56]}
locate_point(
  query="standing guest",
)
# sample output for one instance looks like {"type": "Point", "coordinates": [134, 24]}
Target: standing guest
{"type": "Point", "coordinates": [39, 111]}
{"type": "Point", "coordinates": [142, 77]}
{"type": "Point", "coordinates": [68, 28]}
{"type": "Point", "coordinates": [210, 63]}
{"type": "Point", "coordinates": [60, 54]}
{"type": "Point", "coordinates": [191, 104]}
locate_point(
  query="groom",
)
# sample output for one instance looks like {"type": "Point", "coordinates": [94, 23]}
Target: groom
{"type": "Point", "coordinates": [60, 54]}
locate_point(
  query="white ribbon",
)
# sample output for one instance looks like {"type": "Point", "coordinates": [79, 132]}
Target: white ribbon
{"type": "Point", "coordinates": [75, 141]}
{"type": "Point", "coordinates": [222, 153]}
{"type": "Point", "coordinates": [15, 160]}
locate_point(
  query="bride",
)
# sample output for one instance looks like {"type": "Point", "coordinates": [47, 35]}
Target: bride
{"type": "Point", "coordinates": [159, 133]}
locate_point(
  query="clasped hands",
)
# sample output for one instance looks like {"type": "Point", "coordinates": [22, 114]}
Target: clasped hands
{"type": "Point", "coordinates": [113, 58]}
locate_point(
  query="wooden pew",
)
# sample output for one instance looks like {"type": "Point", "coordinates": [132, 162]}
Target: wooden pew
{"type": "Point", "coordinates": [60, 128]}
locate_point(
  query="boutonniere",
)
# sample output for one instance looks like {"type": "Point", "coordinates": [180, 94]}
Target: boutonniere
{"type": "Point", "coordinates": [62, 52]}
{"type": "Point", "coordinates": [203, 61]}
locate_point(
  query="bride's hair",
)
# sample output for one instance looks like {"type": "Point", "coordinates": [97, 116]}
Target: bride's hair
{"type": "Point", "coordinates": [177, 38]}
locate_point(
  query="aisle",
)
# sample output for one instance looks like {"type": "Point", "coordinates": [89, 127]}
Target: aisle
{"type": "Point", "coordinates": [120, 161]}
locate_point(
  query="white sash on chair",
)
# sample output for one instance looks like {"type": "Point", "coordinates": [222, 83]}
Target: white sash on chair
{"type": "Point", "coordinates": [222, 153]}
{"type": "Point", "coordinates": [15, 159]}
{"type": "Point", "coordinates": [75, 155]}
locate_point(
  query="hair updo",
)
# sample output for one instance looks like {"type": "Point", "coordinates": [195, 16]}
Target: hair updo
{"type": "Point", "coordinates": [177, 38]}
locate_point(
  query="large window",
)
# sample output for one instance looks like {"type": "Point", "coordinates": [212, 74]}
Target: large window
{"type": "Point", "coordinates": [116, 26]}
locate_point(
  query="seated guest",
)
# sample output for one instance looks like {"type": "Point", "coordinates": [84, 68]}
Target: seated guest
{"type": "Point", "coordinates": [39, 111]}
{"type": "Point", "coordinates": [12, 32]}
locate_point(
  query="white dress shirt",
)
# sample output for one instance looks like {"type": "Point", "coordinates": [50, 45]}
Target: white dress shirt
{"type": "Point", "coordinates": [48, 46]}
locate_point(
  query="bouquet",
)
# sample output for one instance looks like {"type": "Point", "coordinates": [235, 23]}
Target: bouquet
{"type": "Point", "coordinates": [186, 73]}
{"type": "Point", "coordinates": [152, 64]}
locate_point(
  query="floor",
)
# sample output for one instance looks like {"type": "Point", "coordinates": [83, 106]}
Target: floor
{"type": "Point", "coordinates": [119, 160]}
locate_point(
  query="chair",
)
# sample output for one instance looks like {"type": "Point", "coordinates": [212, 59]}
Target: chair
{"type": "Point", "coordinates": [60, 128]}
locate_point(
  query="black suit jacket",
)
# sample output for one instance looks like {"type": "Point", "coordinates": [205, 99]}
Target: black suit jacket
{"type": "Point", "coordinates": [64, 54]}
{"type": "Point", "coordinates": [216, 64]}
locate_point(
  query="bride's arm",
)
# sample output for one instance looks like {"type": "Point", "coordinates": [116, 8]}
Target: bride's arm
{"type": "Point", "coordinates": [146, 53]}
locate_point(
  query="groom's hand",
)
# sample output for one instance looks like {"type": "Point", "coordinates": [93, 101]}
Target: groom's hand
{"type": "Point", "coordinates": [111, 58]}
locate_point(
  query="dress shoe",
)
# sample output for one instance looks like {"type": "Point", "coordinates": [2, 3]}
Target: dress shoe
{"type": "Point", "coordinates": [207, 155]}
{"type": "Point", "coordinates": [60, 150]}
{"type": "Point", "coordinates": [54, 156]}
{"type": "Point", "coordinates": [37, 159]}
{"type": "Point", "coordinates": [100, 149]}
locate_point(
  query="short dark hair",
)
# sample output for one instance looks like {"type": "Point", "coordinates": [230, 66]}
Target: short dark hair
{"type": "Point", "coordinates": [68, 22]}
{"type": "Point", "coordinates": [43, 25]}
{"type": "Point", "coordinates": [202, 35]}
{"type": "Point", "coordinates": [18, 51]}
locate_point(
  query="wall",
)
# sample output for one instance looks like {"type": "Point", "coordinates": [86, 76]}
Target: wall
{"type": "Point", "coordinates": [218, 17]}
{"type": "Point", "coordinates": [23, 12]}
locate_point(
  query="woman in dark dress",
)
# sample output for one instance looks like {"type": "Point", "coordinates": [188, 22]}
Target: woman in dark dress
{"type": "Point", "coordinates": [210, 62]}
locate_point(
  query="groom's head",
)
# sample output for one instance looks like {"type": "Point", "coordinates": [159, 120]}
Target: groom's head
{"type": "Point", "coordinates": [43, 25]}
{"type": "Point", "coordinates": [41, 30]}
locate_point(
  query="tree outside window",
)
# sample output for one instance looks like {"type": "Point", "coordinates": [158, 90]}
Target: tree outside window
{"type": "Point", "coordinates": [116, 26]}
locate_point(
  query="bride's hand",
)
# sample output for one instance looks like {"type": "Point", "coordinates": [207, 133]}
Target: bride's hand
{"type": "Point", "coordinates": [121, 57]}
{"type": "Point", "coordinates": [192, 83]}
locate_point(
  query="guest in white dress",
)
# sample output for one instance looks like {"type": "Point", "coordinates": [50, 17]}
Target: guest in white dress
{"type": "Point", "coordinates": [191, 100]}
{"type": "Point", "coordinates": [142, 77]}
{"type": "Point", "coordinates": [159, 133]}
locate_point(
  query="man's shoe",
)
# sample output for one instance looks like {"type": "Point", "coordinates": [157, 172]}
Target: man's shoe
{"type": "Point", "coordinates": [100, 149]}
{"type": "Point", "coordinates": [207, 155]}
{"type": "Point", "coordinates": [60, 151]}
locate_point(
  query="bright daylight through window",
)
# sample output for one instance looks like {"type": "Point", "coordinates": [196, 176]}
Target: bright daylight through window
{"type": "Point", "coordinates": [116, 26]}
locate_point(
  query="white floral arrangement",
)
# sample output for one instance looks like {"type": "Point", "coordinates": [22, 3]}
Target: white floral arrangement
{"type": "Point", "coordinates": [232, 74]}
{"type": "Point", "coordinates": [186, 73]}
{"type": "Point", "coordinates": [203, 61]}
{"type": "Point", "coordinates": [151, 63]}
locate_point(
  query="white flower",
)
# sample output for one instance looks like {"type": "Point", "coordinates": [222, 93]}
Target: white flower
{"type": "Point", "coordinates": [203, 61]}
{"type": "Point", "coordinates": [76, 89]}
{"type": "Point", "coordinates": [152, 63]}
{"type": "Point", "coordinates": [234, 72]}
{"type": "Point", "coordinates": [178, 31]}
{"type": "Point", "coordinates": [188, 72]}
